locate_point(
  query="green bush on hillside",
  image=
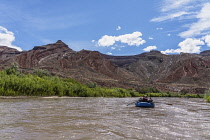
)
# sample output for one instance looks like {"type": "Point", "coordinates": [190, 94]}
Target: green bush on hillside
{"type": "Point", "coordinates": [41, 73]}
{"type": "Point", "coordinates": [40, 83]}
{"type": "Point", "coordinates": [13, 70]}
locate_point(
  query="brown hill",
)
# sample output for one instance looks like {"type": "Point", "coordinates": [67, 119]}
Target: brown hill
{"type": "Point", "coordinates": [167, 72]}
{"type": "Point", "coordinates": [170, 72]}
{"type": "Point", "coordinates": [84, 66]}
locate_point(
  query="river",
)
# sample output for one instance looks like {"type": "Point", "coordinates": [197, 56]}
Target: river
{"type": "Point", "coordinates": [103, 118]}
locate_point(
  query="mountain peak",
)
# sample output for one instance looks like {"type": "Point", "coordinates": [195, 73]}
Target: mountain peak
{"type": "Point", "coordinates": [60, 42]}
{"type": "Point", "coordinates": [57, 45]}
{"type": "Point", "coordinates": [155, 51]}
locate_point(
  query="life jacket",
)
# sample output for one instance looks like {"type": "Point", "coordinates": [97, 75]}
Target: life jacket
{"type": "Point", "coordinates": [145, 99]}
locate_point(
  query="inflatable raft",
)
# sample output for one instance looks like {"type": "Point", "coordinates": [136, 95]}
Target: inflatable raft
{"type": "Point", "coordinates": [145, 104]}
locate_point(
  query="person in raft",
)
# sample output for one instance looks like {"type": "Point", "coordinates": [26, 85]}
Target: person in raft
{"type": "Point", "coordinates": [145, 99]}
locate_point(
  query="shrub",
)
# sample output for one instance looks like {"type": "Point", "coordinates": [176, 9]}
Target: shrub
{"type": "Point", "coordinates": [207, 95]}
{"type": "Point", "coordinates": [41, 73]}
{"type": "Point", "coordinates": [208, 99]}
{"type": "Point", "coordinates": [91, 85]}
{"type": "Point", "coordinates": [13, 70]}
{"type": "Point", "coordinates": [145, 90]}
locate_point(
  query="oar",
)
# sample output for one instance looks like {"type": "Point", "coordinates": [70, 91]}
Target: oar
{"type": "Point", "coordinates": [131, 103]}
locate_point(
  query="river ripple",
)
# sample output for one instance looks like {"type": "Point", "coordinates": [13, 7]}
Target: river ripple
{"type": "Point", "coordinates": [103, 118]}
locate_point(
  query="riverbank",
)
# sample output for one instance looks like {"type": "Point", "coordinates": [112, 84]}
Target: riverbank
{"type": "Point", "coordinates": [14, 84]}
{"type": "Point", "coordinates": [29, 97]}
{"type": "Point", "coordinates": [17, 97]}
{"type": "Point", "coordinates": [171, 95]}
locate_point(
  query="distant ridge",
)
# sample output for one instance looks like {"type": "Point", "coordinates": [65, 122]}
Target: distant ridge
{"type": "Point", "coordinates": [189, 72]}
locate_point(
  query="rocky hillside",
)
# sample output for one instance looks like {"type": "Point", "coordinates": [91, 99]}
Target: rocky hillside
{"type": "Point", "coordinates": [189, 72]}
{"type": "Point", "coordinates": [183, 72]}
{"type": "Point", "coordinates": [84, 66]}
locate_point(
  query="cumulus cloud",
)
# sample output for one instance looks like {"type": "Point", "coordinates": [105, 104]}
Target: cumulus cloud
{"type": "Point", "coordinates": [6, 38]}
{"type": "Point", "coordinates": [207, 40]}
{"type": "Point", "coordinates": [107, 40]}
{"type": "Point", "coordinates": [109, 53]}
{"type": "Point", "coordinates": [133, 39]}
{"type": "Point", "coordinates": [151, 38]}
{"type": "Point", "coordinates": [189, 45]}
{"type": "Point", "coordinates": [149, 48]}
{"type": "Point", "coordinates": [118, 28]}
{"type": "Point", "coordinates": [171, 51]}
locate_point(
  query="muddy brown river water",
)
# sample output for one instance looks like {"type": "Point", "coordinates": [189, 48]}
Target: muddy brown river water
{"type": "Point", "coordinates": [103, 118]}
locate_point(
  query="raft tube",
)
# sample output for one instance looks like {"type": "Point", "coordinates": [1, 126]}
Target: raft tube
{"type": "Point", "coordinates": [145, 104]}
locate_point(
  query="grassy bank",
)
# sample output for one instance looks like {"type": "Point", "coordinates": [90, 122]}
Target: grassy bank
{"type": "Point", "coordinates": [169, 94]}
{"type": "Point", "coordinates": [41, 83]}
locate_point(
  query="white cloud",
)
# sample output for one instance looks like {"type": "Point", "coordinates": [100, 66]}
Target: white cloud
{"type": "Point", "coordinates": [92, 41]}
{"type": "Point", "coordinates": [195, 11]}
{"type": "Point", "coordinates": [189, 45]}
{"type": "Point", "coordinates": [159, 28]}
{"type": "Point", "coordinates": [171, 51]}
{"type": "Point", "coordinates": [174, 4]}
{"type": "Point", "coordinates": [196, 18]}
{"type": "Point", "coordinates": [207, 40]}
{"type": "Point", "coordinates": [109, 53]}
{"type": "Point", "coordinates": [168, 34]}
{"type": "Point", "coordinates": [107, 40]}
{"type": "Point", "coordinates": [151, 38]}
{"type": "Point", "coordinates": [149, 48]}
{"type": "Point", "coordinates": [133, 39]}
{"type": "Point", "coordinates": [113, 48]}
{"type": "Point", "coordinates": [201, 26]}
{"type": "Point", "coordinates": [6, 38]}
{"type": "Point", "coordinates": [118, 28]}
{"type": "Point", "coordinates": [169, 16]}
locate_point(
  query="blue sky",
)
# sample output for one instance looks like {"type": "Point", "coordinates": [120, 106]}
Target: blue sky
{"type": "Point", "coordinates": [115, 27]}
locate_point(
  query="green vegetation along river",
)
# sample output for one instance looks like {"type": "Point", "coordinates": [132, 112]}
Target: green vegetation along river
{"type": "Point", "coordinates": [41, 83]}
{"type": "Point", "coordinates": [103, 118]}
